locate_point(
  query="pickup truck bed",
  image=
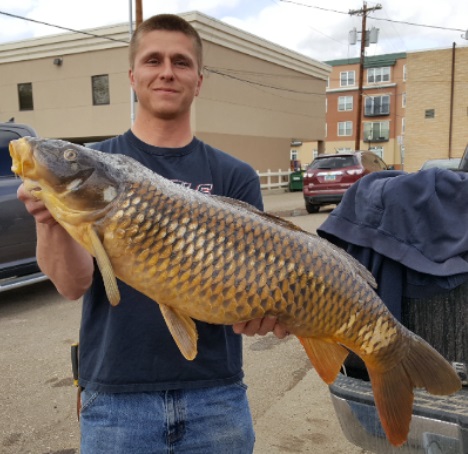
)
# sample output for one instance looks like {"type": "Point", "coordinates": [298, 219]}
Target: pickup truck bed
{"type": "Point", "coordinates": [18, 265]}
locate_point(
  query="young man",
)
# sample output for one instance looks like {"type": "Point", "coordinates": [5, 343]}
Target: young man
{"type": "Point", "coordinates": [139, 394]}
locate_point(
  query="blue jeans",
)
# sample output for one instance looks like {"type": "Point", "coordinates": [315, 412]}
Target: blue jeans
{"type": "Point", "coordinates": [195, 421]}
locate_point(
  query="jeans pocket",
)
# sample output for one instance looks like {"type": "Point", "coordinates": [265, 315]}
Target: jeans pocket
{"type": "Point", "coordinates": [241, 384]}
{"type": "Point", "coordinates": [87, 399]}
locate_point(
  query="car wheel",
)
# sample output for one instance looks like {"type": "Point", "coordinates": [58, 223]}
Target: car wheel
{"type": "Point", "coordinates": [312, 208]}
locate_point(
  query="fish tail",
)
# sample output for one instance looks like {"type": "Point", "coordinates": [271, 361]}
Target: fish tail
{"type": "Point", "coordinates": [423, 367]}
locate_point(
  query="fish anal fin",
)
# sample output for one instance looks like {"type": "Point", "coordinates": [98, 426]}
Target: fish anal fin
{"type": "Point", "coordinates": [183, 330]}
{"type": "Point", "coordinates": [105, 266]}
{"type": "Point", "coordinates": [326, 357]}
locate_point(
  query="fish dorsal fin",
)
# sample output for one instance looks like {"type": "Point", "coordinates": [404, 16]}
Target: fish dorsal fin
{"type": "Point", "coordinates": [183, 330]}
{"type": "Point", "coordinates": [326, 357]}
{"type": "Point", "coordinates": [105, 266]}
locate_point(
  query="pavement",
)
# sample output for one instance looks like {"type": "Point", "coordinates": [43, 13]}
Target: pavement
{"type": "Point", "coordinates": [284, 203]}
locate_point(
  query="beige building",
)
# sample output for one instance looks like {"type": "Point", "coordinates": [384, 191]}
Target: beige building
{"type": "Point", "coordinates": [436, 105]}
{"type": "Point", "coordinates": [415, 107]}
{"type": "Point", "coordinates": [256, 96]}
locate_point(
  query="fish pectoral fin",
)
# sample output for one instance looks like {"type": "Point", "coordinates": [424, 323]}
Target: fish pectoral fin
{"type": "Point", "coordinates": [105, 266]}
{"type": "Point", "coordinates": [326, 357]}
{"type": "Point", "coordinates": [183, 330]}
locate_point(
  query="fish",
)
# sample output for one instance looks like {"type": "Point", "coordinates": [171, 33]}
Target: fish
{"type": "Point", "coordinates": [222, 261]}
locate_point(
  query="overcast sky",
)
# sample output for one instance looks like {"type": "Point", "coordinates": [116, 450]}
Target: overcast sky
{"type": "Point", "coordinates": [314, 28]}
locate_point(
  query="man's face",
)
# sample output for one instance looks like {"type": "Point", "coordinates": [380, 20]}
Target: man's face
{"type": "Point", "coordinates": [165, 74]}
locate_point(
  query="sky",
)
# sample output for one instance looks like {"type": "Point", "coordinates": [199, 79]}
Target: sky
{"type": "Point", "coordinates": [314, 28]}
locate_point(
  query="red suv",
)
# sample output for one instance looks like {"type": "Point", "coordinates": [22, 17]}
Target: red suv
{"type": "Point", "coordinates": [330, 175]}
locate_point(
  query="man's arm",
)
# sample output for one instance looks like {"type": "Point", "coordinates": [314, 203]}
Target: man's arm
{"type": "Point", "coordinates": [68, 265]}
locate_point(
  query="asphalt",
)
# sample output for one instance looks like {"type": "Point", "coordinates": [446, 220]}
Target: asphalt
{"type": "Point", "coordinates": [284, 203]}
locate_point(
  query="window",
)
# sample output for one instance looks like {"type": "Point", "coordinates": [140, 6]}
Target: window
{"type": "Point", "coordinates": [376, 75]}
{"type": "Point", "coordinates": [377, 105]}
{"type": "Point", "coordinates": [345, 128]}
{"type": "Point", "coordinates": [403, 100]}
{"type": "Point", "coordinates": [405, 73]}
{"type": "Point", "coordinates": [100, 87]}
{"type": "Point", "coordinates": [25, 96]}
{"type": "Point", "coordinates": [403, 126]}
{"type": "Point", "coordinates": [378, 131]}
{"type": "Point", "coordinates": [347, 78]}
{"type": "Point", "coordinates": [345, 103]}
{"type": "Point", "coordinates": [429, 113]}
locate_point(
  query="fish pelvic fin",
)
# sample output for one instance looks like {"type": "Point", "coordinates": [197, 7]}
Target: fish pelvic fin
{"type": "Point", "coordinates": [105, 266]}
{"type": "Point", "coordinates": [423, 367]}
{"type": "Point", "coordinates": [183, 330]}
{"type": "Point", "coordinates": [326, 357]}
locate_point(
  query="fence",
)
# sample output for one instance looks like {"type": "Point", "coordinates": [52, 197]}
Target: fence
{"type": "Point", "coordinates": [274, 180]}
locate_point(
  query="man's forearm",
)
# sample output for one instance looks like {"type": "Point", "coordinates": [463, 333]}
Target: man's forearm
{"type": "Point", "coordinates": [68, 265]}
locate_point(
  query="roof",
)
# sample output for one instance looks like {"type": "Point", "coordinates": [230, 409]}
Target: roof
{"type": "Point", "coordinates": [210, 30]}
{"type": "Point", "coordinates": [374, 61]}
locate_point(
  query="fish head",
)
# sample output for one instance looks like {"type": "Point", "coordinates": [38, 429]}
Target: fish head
{"type": "Point", "coordinates": [74, 182]}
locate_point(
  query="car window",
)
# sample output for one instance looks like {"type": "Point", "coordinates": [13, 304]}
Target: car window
{"type": "Point", "coordinates": [5, 159]}
{"type": "Point", "coordinates": [333, 162]}
{"type": "Point", "coordinates": [10, 132]}
{"type": "Point", "coordinates": [372, 163]}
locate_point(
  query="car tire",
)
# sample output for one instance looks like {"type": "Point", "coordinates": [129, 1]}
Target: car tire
{"type": "Point", "coordinates": [311, 208]}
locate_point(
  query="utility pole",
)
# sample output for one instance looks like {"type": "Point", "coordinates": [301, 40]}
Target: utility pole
{"type": "Point", "coordinates": [363, 11]}
{"type": "Point", "coordinates": [138, 12]}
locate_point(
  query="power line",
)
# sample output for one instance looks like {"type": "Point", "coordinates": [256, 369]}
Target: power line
{"type": "Point", "coordinates": [63, 28]}
{"type": "Point", "coordinates": [376, 18]}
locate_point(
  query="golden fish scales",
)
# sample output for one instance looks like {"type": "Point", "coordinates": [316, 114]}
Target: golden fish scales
{"type": "Point", "coordinates": [219, 261]}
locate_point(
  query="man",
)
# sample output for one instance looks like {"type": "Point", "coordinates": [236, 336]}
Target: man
{"type": "Point", "coordinates": [139, 394]}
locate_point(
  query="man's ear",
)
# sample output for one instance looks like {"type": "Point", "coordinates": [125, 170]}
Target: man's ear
{"type": "Point", "coordinates": [130, 76]}
{"type": "Point", "coordinates": [199, 84]}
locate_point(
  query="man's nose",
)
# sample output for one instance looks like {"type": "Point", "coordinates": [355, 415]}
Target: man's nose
{"type": "Point", "coordinates": [167, 71]}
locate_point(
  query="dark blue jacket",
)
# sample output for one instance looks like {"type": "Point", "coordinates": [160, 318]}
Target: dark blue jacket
{"type": "Point", "coordinates": [409, 229]}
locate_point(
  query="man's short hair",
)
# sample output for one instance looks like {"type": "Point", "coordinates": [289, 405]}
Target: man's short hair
{"type": "Point", "coordinates": [167, 22]}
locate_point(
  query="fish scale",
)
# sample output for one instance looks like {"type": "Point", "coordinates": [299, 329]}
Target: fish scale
{"type": "Point", "coordinates": [221, 261]}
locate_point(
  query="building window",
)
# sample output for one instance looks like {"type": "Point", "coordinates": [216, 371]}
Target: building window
{"type": "Point", "coordinates": [345, 128]}
{"type": "Point", "coordinates": [347, 78]}
{"type": "Point", "coordinates": [100, 87]}
{"type": "Point", "coordinates": [403, 100]}
{"type": "Point", "coordinates": [376, 75]}
{"type": "Point", "coordinates": [405, 74]}
{"type": "Point", "coordinates": [429, 113]}
{"type": "Point", "coordinates": [377, 131]}
{"type": "Point", "coordinates": [25, 96]}
{"type": "Point", "coordinates": [377, 105]}
{"type": "Point", "coordinates": [403, 126]}
{"type": "Point", "coordinates": [345, 103]}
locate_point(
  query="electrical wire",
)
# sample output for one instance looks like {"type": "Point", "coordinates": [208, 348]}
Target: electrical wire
{"type": "Point", "coordinates": [63, 28]}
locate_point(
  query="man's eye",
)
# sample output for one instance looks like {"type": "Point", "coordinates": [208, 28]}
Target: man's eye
{"type": "Point", "coordinates": [181, 63]}
{"type": "Point", "coordinates": [153, 61]}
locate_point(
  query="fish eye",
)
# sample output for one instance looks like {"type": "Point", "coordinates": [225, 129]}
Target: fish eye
{"type": "Point", "coordinates": [70, 155]}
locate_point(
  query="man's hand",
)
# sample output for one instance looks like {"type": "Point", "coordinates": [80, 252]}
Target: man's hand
{"type": "Point", "coordinates": [261, 326]}
{"type": "Point", "coordinates": [35, 207]}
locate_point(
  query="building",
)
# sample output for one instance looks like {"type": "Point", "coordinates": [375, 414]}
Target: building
{"type": "Point", "coordinates": [414, 106]}
{"type": "Point", "coordinates": [256, 96]}
{"type": "Point", "coordinates": [382, 121]}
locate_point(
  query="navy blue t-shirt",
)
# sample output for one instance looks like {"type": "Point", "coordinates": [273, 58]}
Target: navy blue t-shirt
{"type": "Point", "coordinates": [128, 348]}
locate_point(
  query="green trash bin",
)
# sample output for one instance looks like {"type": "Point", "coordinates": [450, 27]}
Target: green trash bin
{"type": "Point", "coordinates": [296, 181]}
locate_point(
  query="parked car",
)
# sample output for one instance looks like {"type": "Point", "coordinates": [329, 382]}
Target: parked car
{"type": "Point", "coordinates": [18, 264]}
{"type": "Point", "coordinates": [330, 175]}
{"type": "Point", "coordinates": [449, 163]}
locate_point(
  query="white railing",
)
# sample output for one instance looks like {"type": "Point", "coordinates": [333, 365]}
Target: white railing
{"type": "Point", "coordinates": [274, 180]}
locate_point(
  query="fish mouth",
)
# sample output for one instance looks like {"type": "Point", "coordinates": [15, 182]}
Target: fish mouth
{"type": "Point", "coordinates": [22, 158]}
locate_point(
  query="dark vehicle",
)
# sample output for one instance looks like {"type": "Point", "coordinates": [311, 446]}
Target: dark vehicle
{"type": "Point", "coordinates": [18, 264]}
{"type": "Point", "coordinates": [329, 176]}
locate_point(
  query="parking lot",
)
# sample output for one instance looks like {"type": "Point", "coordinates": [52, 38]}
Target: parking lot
{"type": "Point", "coordinates": [290, 404]}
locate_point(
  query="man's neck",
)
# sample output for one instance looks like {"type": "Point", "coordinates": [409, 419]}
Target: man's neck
{"type": "Point", "coordinates": [163, 133]}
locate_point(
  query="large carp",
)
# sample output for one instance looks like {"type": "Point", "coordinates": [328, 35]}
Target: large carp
{"type": "Point", "coordinates": [221, 261]}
